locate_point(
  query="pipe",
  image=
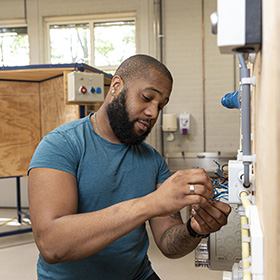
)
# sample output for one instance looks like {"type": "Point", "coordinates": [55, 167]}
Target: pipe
{"type": "Point", "coordinates": [203, 75]}
{"type": "Point", "coordinates": [245, 234]}
{"type": "Point", "coordinates": [13, 232]}
{"type": "Point", "coordinates": [241, 60]}
{"type": "Point", "coordinates": [159, 52]}
{"type": "Point", "coordinates": [245, 119]}
{"type": "Point", "coordinates": [244, 199]}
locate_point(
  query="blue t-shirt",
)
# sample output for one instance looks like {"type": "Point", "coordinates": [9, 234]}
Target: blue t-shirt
{"type": "Point", "coordinates": [107, 174]}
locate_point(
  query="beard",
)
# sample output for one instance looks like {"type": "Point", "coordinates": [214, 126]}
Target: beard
{"type": "Point", "coordinates": [122, 127]}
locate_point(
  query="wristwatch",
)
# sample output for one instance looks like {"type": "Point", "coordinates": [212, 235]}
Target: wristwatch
{"type": "Point", "coordinates": [192, 232]}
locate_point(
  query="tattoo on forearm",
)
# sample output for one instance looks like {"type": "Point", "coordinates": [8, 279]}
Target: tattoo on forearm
{"type": "Point", "coordinates": [178, 241]}
{"type": "Point", "coordinates": [176, 216]}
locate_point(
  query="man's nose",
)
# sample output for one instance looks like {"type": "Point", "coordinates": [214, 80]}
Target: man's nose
{"type": "Point", "coordinates": [152, 111]}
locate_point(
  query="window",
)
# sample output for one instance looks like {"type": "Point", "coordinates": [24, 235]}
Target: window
{"type": "Point", "coordinates": [69, 43]}
{"type": "Point", "coordinates": [101, 43]}
{"type": "Point", "coordinates": [113, 43]}
{"type": "Point", "coordinates": [14, 46]}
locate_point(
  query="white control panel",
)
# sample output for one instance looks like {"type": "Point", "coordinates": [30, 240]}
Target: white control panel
{"type": "Point", "coordinates": [85, 87]}
{"type": "Point", "coordinates": [238, 24]}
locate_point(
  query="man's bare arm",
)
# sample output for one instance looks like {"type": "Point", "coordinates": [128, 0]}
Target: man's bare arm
{"type": "Point", "coordinates": [63, 235]}
{"type": "Point", "coordinates": [176, 241]}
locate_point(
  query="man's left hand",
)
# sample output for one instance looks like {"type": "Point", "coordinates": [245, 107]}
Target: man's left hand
{"type": "Point", "coordinates": [210, 217]}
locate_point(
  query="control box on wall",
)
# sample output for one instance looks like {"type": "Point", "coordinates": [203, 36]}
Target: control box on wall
{"type": "Point", "coordinates": [238, 25]}
{"type": "Point", "coordinates": [85, 87]}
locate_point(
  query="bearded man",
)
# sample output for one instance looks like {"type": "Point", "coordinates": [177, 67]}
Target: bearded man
{"type": "Point", "coordinates": [93, 184]}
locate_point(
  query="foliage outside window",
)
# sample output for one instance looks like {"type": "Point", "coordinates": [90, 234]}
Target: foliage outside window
{"type": "Point", "coordinates": [113, 43]}
{"type": "Point", "coordinates": [14, 46]}
{"type": "Point", "coordinates": [69, 43]}
{"type": "Point", "coordinates": [101, 44]}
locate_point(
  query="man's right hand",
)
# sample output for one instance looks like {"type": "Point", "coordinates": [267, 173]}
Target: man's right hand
{"type": "Point", "coordinates": [174, 194]}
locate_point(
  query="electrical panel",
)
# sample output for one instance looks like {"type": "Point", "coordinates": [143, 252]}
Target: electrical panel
{"type": "Point", "coordinates": [225, 245]}
{"type": "Point", "coordinates": [238, 24]}
{"type": "Point", "coordinates": [223, 248]}
{"type": "Point", "coordinates": [85, 87]}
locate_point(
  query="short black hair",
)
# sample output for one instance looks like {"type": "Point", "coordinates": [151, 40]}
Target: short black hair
{"type": "Point", "coordinates": [138, 66]}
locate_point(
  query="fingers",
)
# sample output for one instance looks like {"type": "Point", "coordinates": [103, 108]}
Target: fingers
{"type": "Point", "coordinates": [183, 188]}
{"type": "Point", "coordinates": [194, 181]}
{"type": "Point", "coordinates": [199, 190]}
{"type": "Point", "coordinates": [211, 216]}
{"type": "Point", "coordinates": [223, 207]}
{"type": "Point", "coordinates": [197, 176]}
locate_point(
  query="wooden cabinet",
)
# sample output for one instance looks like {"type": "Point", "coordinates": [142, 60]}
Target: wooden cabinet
{"type": "Point", "coordinates": [33, 103]}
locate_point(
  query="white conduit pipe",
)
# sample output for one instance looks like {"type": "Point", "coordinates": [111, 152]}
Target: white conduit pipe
{"type": "Point", "coordinates": [244, 237]}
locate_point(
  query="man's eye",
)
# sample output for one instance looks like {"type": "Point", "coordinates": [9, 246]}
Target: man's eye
{"type": "Point", "coordinates": [146, 98]}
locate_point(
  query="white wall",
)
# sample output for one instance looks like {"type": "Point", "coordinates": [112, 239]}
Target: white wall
{"type": "Point", "coordinates": [8, 192]}
{"type": "Point", "coordinates": [183, 54]}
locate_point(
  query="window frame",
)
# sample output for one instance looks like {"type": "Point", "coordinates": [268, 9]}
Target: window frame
{"type": "Point", "coordinates": [90, 19]}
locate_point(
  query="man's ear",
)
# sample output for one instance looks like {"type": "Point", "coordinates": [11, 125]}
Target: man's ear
{"type": "Point", "coordinates": [116, 85]}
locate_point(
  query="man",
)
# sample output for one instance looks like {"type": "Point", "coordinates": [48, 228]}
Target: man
{"type": "Point", "coordinates": [93, 183]}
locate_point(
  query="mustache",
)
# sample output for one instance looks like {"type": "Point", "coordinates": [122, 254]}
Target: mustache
{"type": "Point", "coordinates": [149, 121]}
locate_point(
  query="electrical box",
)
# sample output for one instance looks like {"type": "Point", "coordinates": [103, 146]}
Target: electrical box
{"type": "Point", "coordinates": [85, 87]}
{"type": "Point", "coordinates": [239, 25]}
{"type": "Point", "coordinates": [225, 245]}
{"type": "Point", "coordinates": [235, 180]}
{"type": "Point", "coordinates": [223, 248]}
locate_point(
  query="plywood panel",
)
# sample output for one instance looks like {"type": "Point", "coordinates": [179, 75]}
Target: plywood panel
{"type": "Point", "coordinates": [31, 74]}
{"type": "Point", "coordinates": [54, 112]}
{"type": "Point", "coordinates": [267, 137]}
{"type": "Point", "coordinates": [19, 126]}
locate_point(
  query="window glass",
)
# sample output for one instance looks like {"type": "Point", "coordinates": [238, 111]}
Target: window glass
{"type": "Point", "coordinates": [70, 43]}
{"type": "Point", "coordinates": [14, 46]}
{"type": "Point", "coordinates": [113, 42]}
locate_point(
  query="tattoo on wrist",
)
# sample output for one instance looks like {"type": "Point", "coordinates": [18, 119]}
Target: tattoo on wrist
{"type": "Point", "coordinates": [176, 216]}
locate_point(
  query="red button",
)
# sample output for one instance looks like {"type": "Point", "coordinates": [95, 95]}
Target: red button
{"type": "Point", "coordinates": [83, 90]}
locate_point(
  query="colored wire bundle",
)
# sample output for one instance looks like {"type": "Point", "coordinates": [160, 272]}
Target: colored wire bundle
{"type": "Point", "coordinates": [221, 183]}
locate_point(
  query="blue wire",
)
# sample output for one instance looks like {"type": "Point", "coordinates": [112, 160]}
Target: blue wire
{"type": "Point", "coordinates": [223, 197]}
{"type": "Point", "coordinates": [223, 186]}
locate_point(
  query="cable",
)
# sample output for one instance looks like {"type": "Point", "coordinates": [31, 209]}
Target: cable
{"type": "Point", "coordinates": [220, 184]}
{"type": "Point", "coordinates": [5, 223]}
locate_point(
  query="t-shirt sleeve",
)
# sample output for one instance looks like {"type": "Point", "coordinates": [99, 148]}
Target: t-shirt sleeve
{"type": "Point", "coordinates": [55, 151]}
{"type": "Point", "coordinates": [164, 172]}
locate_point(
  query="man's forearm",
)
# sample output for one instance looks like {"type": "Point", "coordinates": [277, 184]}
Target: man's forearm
{"type": "Point", "coordinates": [77, 236]}
{"type": "Point", "coordinates": [176, 242]}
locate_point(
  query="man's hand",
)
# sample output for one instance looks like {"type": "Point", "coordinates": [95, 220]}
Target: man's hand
{"type": "Point", "coordinates": [209, 217]}
{"type": "Point", "coordinates": [174, 194]}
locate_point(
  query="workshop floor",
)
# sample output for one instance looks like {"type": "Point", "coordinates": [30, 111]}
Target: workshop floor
{"type": "Point", "coordinates": [18, 257]}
